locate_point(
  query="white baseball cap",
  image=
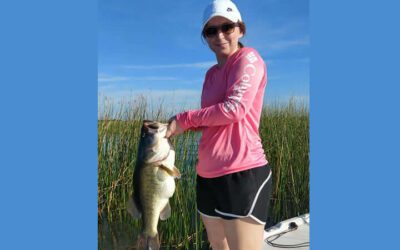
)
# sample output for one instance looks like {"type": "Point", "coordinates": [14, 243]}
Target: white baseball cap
{"type": "Point", "coordinates": [224, 8]}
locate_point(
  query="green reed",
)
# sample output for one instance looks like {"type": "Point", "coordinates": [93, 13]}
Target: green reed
{"type": "Point", "coordinates": [284, 130]}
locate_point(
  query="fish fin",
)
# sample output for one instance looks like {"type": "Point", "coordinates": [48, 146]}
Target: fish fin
{"type": "Point", "coordinates": [174, 172]}
{"type": "Point", "coordinates": [166, 212]}
{"type": "Point", "coordinates": [177, 172]}
{"type": "Point", "coordinates": [132, 209]}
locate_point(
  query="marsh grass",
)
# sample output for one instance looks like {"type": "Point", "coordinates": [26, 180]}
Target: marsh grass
{"type": "Point", "coordinates": [284, 130]}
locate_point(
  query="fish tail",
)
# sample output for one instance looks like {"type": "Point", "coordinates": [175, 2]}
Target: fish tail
{"type": "Point", "coordinates": [147, 242]}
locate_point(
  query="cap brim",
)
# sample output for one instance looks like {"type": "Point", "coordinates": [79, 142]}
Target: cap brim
{"type": "Point", "coordinates": [221, 15]}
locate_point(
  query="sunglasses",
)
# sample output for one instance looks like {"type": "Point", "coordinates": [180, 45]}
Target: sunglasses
{"type": "Point", "coordinates": [226, 28]}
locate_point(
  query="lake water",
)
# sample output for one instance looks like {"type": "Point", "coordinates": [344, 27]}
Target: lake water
{"type": "Point", "coordinates": [122, 236]}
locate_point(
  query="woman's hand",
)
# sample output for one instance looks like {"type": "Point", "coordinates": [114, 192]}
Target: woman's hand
{"type": "Point", "coordinates": [173, 128]}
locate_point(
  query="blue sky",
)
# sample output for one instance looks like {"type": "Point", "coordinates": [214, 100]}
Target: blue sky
{"type": "Point", "coordinates": [154, 48]}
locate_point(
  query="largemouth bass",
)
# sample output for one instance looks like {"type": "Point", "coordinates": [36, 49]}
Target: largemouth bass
{"type": "Point", "coordinates": [153, 182]}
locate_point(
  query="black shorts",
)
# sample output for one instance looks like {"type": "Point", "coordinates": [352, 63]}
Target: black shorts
{"type": "Point", "coordinates": [236, 195]}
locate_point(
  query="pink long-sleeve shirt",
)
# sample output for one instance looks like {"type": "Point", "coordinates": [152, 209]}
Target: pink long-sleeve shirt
{"type": "Point", "coordinates": [229, 117]}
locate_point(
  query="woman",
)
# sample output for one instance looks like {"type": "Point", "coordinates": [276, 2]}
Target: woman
{"type": "Point", "coordinates": [233, 176]}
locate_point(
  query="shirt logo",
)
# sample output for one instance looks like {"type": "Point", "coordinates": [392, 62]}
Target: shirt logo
{"type": "Point", "coordinates": [239, 89]}
{"type": "Point", "coordinates": [251, 57]}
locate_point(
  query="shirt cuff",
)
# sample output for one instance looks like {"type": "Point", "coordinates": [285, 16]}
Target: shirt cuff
{"type": "Point", "coordinates": [181, 119]}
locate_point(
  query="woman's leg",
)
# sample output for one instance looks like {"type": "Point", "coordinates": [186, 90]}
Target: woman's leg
{"type": "Point", "coordinates": [243, 234]}
{"type": "Point", "coordinates": [215, 232]}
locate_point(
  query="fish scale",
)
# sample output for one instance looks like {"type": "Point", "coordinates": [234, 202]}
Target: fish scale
{"type": "Point", "coordinates": [151, 201]}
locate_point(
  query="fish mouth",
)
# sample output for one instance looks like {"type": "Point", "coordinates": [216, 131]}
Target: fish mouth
{"type": "Point", "coordinates": [155, 127]}
{"type": "Point", "coordinates": [151, 124]}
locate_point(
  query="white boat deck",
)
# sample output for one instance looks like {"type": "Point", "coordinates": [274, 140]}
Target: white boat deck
{"type": "Point", "coordinates": [291, 233]}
